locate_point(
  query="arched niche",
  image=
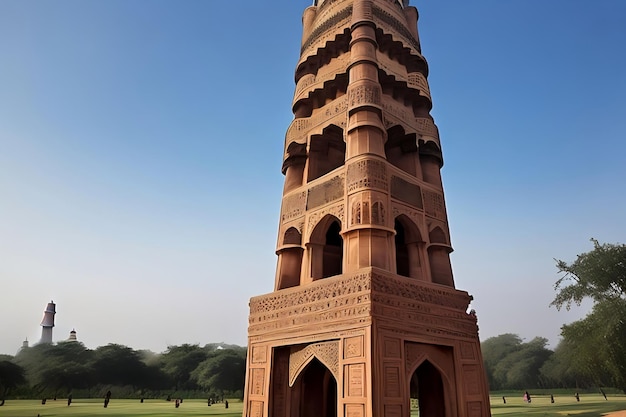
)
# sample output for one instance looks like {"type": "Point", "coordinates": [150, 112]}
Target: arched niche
{"type": "Point", "coordinates": [326, 248]}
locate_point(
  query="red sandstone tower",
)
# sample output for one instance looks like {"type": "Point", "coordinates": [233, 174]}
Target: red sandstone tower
{"type": "Point", "coordinates": [364, 320]}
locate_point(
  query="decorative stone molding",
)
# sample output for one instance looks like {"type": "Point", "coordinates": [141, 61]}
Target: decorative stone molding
{"type": "Point", "coordinates": [326, 30]}
{"type": "Point", "coordinates": [397, 29]}
{"type": "Point", "coordinates": [311, 82]}
{"type": "Point", "coordinates": [332, 113]}
{"type": "Point", "coordinates": [396, 113]}
{"type": "Point", "coordinates": [391, 284]}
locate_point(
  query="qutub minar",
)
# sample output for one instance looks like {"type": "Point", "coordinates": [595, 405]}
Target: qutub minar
{"type": "Point", "coordinates": [364, 320]}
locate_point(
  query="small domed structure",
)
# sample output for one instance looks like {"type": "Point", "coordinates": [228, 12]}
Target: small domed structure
{"type": "Point", "coordinates": [72, 336]}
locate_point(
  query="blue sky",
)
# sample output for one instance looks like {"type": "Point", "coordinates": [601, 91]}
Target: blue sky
{"type": "Point", "coordinates": [141, 145]}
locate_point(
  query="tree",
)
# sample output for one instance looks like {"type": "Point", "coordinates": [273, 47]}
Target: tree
{"type": "Point", "coordinates": [512, 364]}
{"type": "Point", "coordinates": [223, 371]}
{"type": "Point", "coordinates": [599, 339]}
{"type": "Point", "coordinates": [180, 361]}
{"type": "Point", "coordinates": [11, 376]}
{"type": "Point", "coordinates": [520, 369]}
{"type": "Point", "coordinates": [119, 365]}
{"type": "Point", "coordinates": [494, 350]}
{"type": "Point", "coordinates": [52, 367]}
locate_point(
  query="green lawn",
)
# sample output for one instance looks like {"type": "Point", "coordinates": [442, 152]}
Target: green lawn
{"type": "Point", "coordinates": [118, 408]}
{"type": "Point", "coordinates": [590, 405]}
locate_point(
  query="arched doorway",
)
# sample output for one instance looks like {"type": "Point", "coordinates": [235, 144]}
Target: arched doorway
{"type": "Point", "coordinates": [317, 391]}
{"type": "Point", "coordinates": [427, 393]}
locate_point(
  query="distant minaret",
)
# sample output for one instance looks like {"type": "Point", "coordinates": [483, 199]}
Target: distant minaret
{"type": "Point", "coordinates": [72, 336]}
{"type": "Point", "coordinates": [48, 323]}
{"type": "Point", "coordinates": [25, 344]}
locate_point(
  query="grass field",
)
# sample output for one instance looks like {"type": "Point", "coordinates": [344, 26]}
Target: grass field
{"type": "Point", "coordinates": [565, 405]}
{"type": "Point", "coordinates": [118, 408]}
{"type": "Point", "coordinates": [590, 405]}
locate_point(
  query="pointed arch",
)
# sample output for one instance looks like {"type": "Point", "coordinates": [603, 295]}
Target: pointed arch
{"type": "Point", "coordinates": [431, 377]}
{"type": "Point", "coordinates": [326, 352]}
{"type": "Point", "coordinates": [315, 392]}
{"type": "Point", "coordinates": [426, 391]}
{"type": "Point", "coordinates": [437, 235]}
{"type": "Point", "coordinates": [326, 248]}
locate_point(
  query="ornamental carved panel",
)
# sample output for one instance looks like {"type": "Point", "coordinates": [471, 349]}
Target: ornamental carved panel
{"type": "Point", "coordinates": [392, 381]}
{"type": "Point", "coordinates": [426, 127]}
{"type": "Point", "coordinates": [434, 205]}
{"type": "Point", "coordinates": [294, 206]}
{"type": "Point", "coordinates": [422, 292]}
{"type": "Point", "coordinates": [353, 347]}
{"type": "Point", "coordinates": [326, 352]}
{"type": "Point", "coordinates": [256, 408]}
{"type": "Point", "coordinates": [393, 410]}
{"type": "Point", "coordinates": [354, 380]}
{"type": "Point", "coordinates": [355, 410]}
{"type": "Point", "coordinates": [326, 192]}
{"type": "Point", "coordinates": [468, 351]}
{"type": "Point", "coordinates": [259, 354]}
{"type": "Point", "coordinates": [407, 192]}
{"type": "Point", "coordinates": [391, 348]}
{"type": "Point", "coordinates": [363, 95]}
{"type": "Point", "coordinates": [418, 80]}
{"type": "Point", "coordinates": [258, 381]}
{"type": "Point", "coordinates": [475, 409]}
{"type": "Point", "coordinates": [472, 380]}
{"type": "Point", "coordinates": [367, 173]}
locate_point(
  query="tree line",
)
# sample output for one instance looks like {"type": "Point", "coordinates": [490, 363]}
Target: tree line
{"type": "Point", "coordinates": [591, 353]}
{"type": "Point", "coordinates": [191, 371]}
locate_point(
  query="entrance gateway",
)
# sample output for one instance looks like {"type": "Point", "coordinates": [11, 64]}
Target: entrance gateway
{"type": "Point", "coordinates": [364, 320]}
